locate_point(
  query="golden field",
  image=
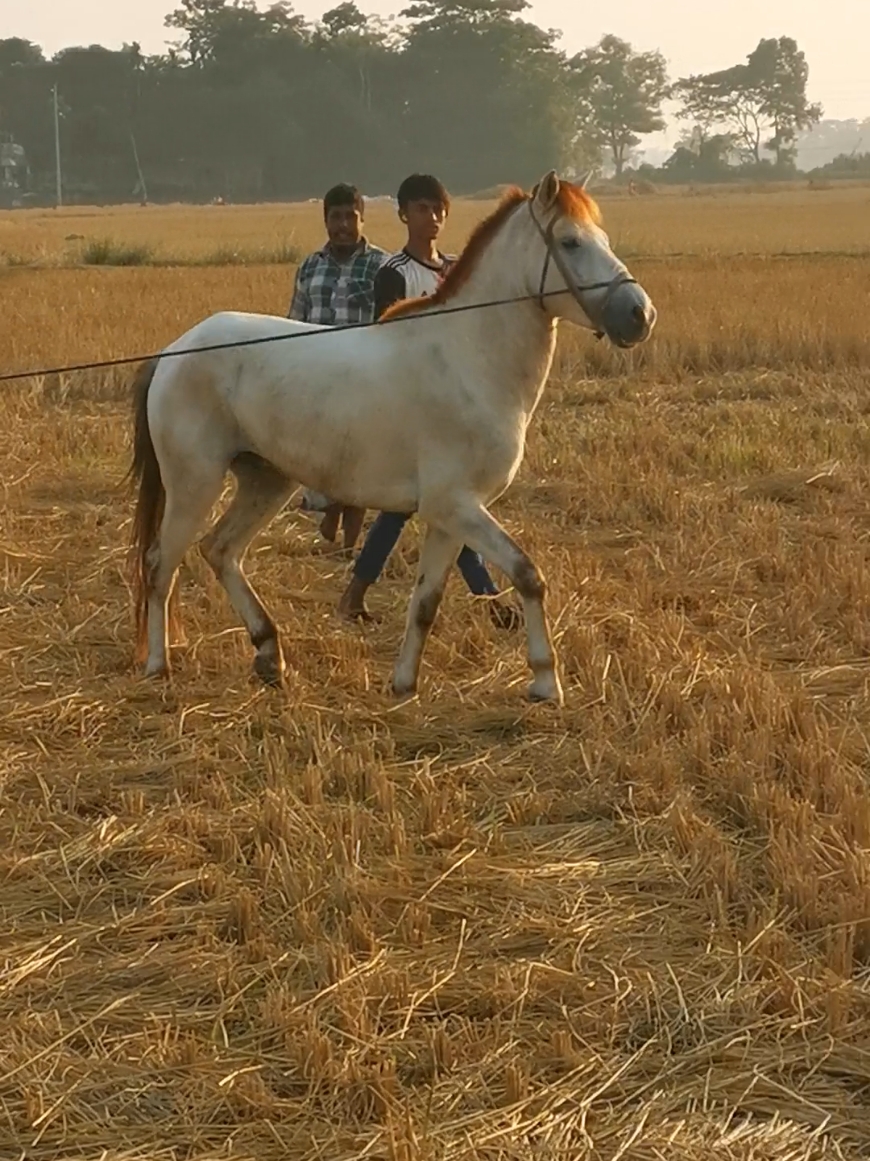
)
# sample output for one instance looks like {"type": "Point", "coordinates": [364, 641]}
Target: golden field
{"type": "Point", "coordinates": [319, 924]}
{"type": "Point", "coordinates": [770, 220]}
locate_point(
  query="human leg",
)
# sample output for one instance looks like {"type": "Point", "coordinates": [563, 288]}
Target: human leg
{"type": "Point", "coordinates": [382, 539]}
{"type": "Point", "coordinates": [476, 575]}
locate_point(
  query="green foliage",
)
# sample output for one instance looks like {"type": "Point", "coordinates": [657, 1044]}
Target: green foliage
{"type": "Point", "coordinates": [256, 103]}
{"type": "Point", "coordinates": [107, 252]}
{"type": "Point", "coordinates": [17, 51]}
{"type": "Point", "coordinates": [623, 92]}
{"type": "Point", "coordinates": [762, 103]}
{"type": "Point", "coordinates": [498, 108]}
{"type": "Point", "coordinates": [284, 254]}
{"type": "Point", "coordinates": [846, 165]}
{"type": "Point", "coordinates": [700, 158]}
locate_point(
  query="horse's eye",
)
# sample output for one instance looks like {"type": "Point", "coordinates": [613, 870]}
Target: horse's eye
{"type": "Point", "coordinates": [570, 243]}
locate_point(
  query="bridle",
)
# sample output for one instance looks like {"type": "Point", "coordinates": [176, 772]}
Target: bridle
{"type": "Point", "coordinates": [553, 254]}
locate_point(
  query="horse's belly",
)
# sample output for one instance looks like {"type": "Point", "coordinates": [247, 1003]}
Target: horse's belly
{"type": "Point", "coordinates": [376, 473]}
{"type": "Point", "coordinates": [354, 466]}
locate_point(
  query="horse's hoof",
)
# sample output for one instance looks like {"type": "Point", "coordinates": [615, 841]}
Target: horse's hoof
{"type": "Point", "coordinates": [403, 687]}
{"type": "Point", "coordinates": [270, 671]}
{"type": "Point", "coordinates": [546, 689]}
{"type": "Point", "coordinates": [157, 672]}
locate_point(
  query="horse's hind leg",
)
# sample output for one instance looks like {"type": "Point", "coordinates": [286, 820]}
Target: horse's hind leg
{"type": "Point", "coordinates": [261, 493]}
{"type": "Point", "coordinates": [189, 500]}
{"type": "Point", "coordinates": [437, 556]}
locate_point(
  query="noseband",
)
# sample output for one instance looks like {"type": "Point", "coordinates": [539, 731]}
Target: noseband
{"type": "Point", "coordinates": [553, 254]}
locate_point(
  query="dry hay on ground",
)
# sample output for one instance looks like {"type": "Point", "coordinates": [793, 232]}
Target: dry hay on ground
{"type": "Point", "coordinates": [321, 925]}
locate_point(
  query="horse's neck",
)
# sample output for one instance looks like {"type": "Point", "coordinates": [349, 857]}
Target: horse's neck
{"type": "Point", "coordinates": [517, 340]}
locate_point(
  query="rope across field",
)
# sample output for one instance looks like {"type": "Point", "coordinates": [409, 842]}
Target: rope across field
{"type": "Point", "coordinates": [132, 360]}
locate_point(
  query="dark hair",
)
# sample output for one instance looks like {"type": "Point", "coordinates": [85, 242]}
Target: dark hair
{"type": "Point", "coordinates": [343, 195]}
{"type": "Point", "coordinates": [420, 187]}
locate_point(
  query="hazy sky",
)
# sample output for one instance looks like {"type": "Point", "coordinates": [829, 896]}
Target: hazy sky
{"type": "Point", "coordinates": [694, 35]}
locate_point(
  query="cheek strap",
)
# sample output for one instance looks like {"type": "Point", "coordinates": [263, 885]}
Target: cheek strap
{"type": "Point", "coordinates": [575, 290]}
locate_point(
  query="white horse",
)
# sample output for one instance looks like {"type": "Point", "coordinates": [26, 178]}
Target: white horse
{"type": "Point", "coordinates": [426, 411]}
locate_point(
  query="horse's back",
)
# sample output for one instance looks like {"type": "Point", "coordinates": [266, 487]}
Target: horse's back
{"type": "Point", "coordinates": [233, 326]}
{"type": "Point", "coordinates": [215, 352]}
{"type": "Point", "coordinates": [328, 410]}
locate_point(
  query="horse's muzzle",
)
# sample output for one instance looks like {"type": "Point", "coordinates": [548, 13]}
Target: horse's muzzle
{"type": "Point", "coordinates": [628, 317]}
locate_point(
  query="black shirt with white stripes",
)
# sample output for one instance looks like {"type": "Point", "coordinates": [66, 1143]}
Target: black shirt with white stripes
{"type": "Point", "coordinates": [404, 276]}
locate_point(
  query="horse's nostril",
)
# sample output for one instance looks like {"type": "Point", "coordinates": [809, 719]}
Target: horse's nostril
{"type": "Point", "coordinates": [639, 314]}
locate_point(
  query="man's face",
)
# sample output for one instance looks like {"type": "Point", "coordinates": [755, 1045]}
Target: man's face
{"type": "Point", "coordinates": [344, 227]}
{"type": "Point", "coordinates": [425, 219]}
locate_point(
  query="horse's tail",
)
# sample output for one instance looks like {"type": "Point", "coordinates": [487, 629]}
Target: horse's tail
{"type": "Point", "coordinates": [144, 473]}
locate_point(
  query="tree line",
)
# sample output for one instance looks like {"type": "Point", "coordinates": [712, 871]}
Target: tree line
{"type": "Point", "coordinates": [254, 104]}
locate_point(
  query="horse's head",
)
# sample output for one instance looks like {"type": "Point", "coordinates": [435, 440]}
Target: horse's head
{"type": "Point", "coordinates": [579, 277]}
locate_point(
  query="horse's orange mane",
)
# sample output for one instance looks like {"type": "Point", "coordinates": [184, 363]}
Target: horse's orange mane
{"type": "Point", "coordinates": [572, 200]}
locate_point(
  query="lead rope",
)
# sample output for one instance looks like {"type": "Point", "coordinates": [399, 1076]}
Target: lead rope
{"type": "Point", "coordinates": [551, 252]}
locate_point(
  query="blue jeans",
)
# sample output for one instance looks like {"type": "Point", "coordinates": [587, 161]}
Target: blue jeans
{"type": "Point", "coordinates": [382, 539]}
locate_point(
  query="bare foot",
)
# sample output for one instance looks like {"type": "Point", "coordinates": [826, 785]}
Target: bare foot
{"type": "Point", "coordinates": [356, 613]}
{"type": "Point", "coordinates": [352, 604]}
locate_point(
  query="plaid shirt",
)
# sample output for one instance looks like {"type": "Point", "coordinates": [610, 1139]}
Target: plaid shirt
{"type": "Point", "coordinates": [337, 294]}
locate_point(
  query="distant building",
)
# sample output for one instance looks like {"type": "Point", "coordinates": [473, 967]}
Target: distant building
{"type": "Point", "coordinates": [14, 172]}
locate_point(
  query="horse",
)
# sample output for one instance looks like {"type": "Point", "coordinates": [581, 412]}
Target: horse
{"type": "Point", "coordinates": [424, 411]}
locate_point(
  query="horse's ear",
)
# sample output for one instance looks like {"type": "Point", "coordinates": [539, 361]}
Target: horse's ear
{"type": "Point", "coordinates": [546, 191]}
{"type": "Point", "coordinates": [583, 181]}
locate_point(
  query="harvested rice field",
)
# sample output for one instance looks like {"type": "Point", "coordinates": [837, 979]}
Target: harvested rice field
{"type": "Point", "coordinates": [321, 924]}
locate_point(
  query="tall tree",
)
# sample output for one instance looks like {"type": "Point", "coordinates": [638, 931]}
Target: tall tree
{"type": "Point", "coordinates": [345, 18]}
{"type": "Point", "coordinates": [357, 66]}
{"type": "Point", "coordinates": [699, 156]}
{"type": "Point", "coordinates": [244, 77]}
{"type": "Point", "coordinates": [24, 90]}
{"type": "Point", "coordinates": [623, 91]}
{"type": "Point", "coordinates": [762, 103]}
{"type": "Point", "coordinates": [235, 34]}
{"type": "Point", "coordinates": [484, 93]}
{"type": "Point", "coordinates": [98, 92]}
{"type": "Point", "coordinates": [14, 50]}
{"type": "Point", "coordinates": [253, 102]}
{"type": "Point", "coordinates": [778, 72]}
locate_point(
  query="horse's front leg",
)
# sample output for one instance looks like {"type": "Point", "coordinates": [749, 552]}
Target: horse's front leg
{"type": "Point", "coordinates": [478, 529]}
{"type": "Point", "coordinates": [437, 557]}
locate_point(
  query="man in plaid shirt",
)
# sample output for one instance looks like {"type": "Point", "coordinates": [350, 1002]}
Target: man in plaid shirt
{"type": "Point", "coordinates": [335, 287]}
